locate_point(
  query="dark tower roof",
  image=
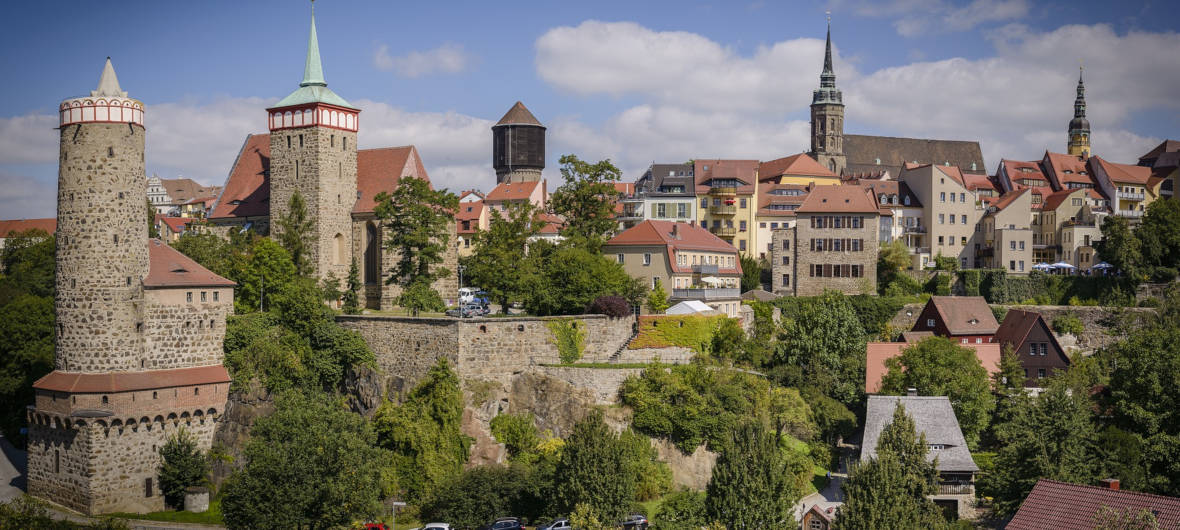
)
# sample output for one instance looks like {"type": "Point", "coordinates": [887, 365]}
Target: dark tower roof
{"type": "Point", "coordinates": [518, 115]}
{"type": "Point", "coordinates": [1079, 121]}
{"type": "Point", "coordinates": [827, 94]}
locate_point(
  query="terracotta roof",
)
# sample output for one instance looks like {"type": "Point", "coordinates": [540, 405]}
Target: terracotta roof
{"type": "Point", "coordinates": [170, 268]}
{"type": "Point", "coordinates": [1065, 506]}
{"type": "Point", "coordinates": [796, 165]}
{"type": "Point", "coordinates": [915, 336]}
{"type": "Point", "coordinates": [1008, 198]}
{"type": "Point", "coordinates": [469, 210]}
{"type": "Point", "coordinates": [690, 237]}
{"type": "Point", "coordinates": [953, 172]}
{"type": "Point", "coordinates": [247, 189]}
{"type": "Point", "coordinates": [48, 224]}
{"type": "Point", "coordinates": [867, 153]}
{"type": "Point", "coordinates": [742, 170]}
{"type": "Point", "coordinates": [838, 199]}
{"type": "Point", "coordinates": [1060, 163]}
{"type": "Point", "coordinates": [979, 182]}
{"type": "Point", "coordinates": [514, 191]}
{"type": "Point", "coordinates": [175, 224]}
{"type": "Point", "coordinates": [965, 315]}
{"type": "Point", "coordinates": [1014, 170]}
{"type": "Point", "coordinates": [553, 223]}
{"type": "Point", "coordinates": [519, 115]}
{"type": "Point", "coordinates": [184, 189]}
{"type": "Point", "coordinates": [207, 200]}
{"type": "Point", "coordinates": [876, 353]}
{"type": "Point", "coordinates": [1053, 200]}
{"type": "Point", "coordinates": [1125, 173]}
{"type": "Point", "coordinates": [1094, 193]}
{"type": "Point", "coordinates": [80, 383]}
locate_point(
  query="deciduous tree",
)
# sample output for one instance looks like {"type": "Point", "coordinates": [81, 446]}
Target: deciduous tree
{"type": "Point", "coordinates": [1120, 247]}
{"type": "Point", "coordinates": [594, 471]}
{"type": "Point", "coordinates": [657, 298]}
{"type": "Point", "coordinates": [500, 264]}
{"type": "Point", "coordinates": [824, 346]}
{"type": "Point", "coordinates": [417, 219]}
{"type": "Point", "coordinates": [936, 366]}
{"type": "Point", "coordinates": [586, 200]}
{"type": "Point", "coordinates": [1145, 400]}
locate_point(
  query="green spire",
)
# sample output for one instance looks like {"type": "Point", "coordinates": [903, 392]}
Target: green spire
{"type": "Point", "coordinates": [313, 71]}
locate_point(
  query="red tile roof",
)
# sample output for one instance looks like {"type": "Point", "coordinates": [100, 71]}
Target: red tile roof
{"type": "Point", "coordinates": [954, 173]}
{"type": "Point", "coordinates": [169, 268]}
{"type": "Point", "coordinates": [20, 225]}
{"type": "Point", "coordinates": [876, 353]}
{"type": "Point", "coordinates": [469, 210]}
{"type": "Point", "coordinates": [1014, 170]}
{"type": "Point", "coordinates": [979, 182]}
{"type": "Point", "coordinates": [1124, 173]}
{"type": "Point", "coordinates": [690, 237]}
{"type": "Point", "coordinates": [1065, 506]}
{"type": "Point", "coordinates": [1053, 200]}
{"type": "Point", "coordinates": [175, 224]}
{"type": "Point", "coordinates": [795, 165]}
{"type": "Point", "coordinates": [247, 189]}
{"type": "Point", "coordinates": [129, 381]}
{"type": "Point", "coordinates": [1060, 163]}
{"type": "Point", "coordinates": [742, 170]}
{"type": "Point", "coordinates": [1008, 198]}
{"type": "Point", "coordinates": [838, 199]}
{"type": "Point", "coordinates": [515, 191]}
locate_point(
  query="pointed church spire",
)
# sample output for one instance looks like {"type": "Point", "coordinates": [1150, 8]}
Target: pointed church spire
{"type": "Point", "coordinates": [1079, 104]}
{"type": "Point", "coordinates": [1079, 126]}
{"type": "Point", "coordinates": [313, 70]}
{"type": "Point", "coordinates": [827, 79]}
{"type": "Point", "coordinates": [108, 83]}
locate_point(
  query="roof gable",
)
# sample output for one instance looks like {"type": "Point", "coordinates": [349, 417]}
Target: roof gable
{"type": "Point", "coordinates": [838, 199]}
{"type": "Point", "coordinates": [170, 268]}
{"type": "Point", "coordinates": [800, 165]}
{"type": "Point", "coordinates": [1065, 506]}
{"type": "Point", "coordinates": [933, 416]}
{"type": "Point", "coordinates": [965, 315]}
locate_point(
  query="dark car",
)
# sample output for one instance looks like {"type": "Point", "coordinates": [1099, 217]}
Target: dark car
{"type": "Point", "coordinates": [505, 523]}
{"type": "Point", "coordinates": [635, 521]}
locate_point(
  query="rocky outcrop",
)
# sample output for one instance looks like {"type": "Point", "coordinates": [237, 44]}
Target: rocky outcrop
{"type": "Point", "coordinates": [233, 428]}
{"type": "Point", "coordinates": [689, 471]}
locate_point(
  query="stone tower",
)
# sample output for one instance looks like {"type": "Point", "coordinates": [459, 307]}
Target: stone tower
{"type": "Point", "coordinates": [1079, 126]}
{"type": "Point", "coordinates": [827, 116]}
{"type": "Point", "coordinates": [139, 325]}
{"type": "Point", "coordinates": [518, 146]}
{"type": "Point", "coordinates": [313, 151]}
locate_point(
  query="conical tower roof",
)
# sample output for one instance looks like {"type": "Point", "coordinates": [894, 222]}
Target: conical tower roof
{"type": "Point", "coordinates": [519, 115]}
{"type": "Point", "coordinates": [108, 83]}
{"type": "Point", "coordinates": [313, 88]}
{"type": "Point", "coordinates": [313, 69]}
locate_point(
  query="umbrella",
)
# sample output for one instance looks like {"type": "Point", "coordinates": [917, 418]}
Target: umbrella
{"type": "Point", "coordinates": [1042, 266]}
{"type": "Point", "coordinates": [711, 280]}
{"type": "Point", "coordinates": [1102, 265]}
{"type": "Point", "coordinates": [1063, 265]}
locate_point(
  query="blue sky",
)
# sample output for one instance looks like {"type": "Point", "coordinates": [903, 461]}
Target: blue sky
{"type": "Point", "coordinates": [632, 81]}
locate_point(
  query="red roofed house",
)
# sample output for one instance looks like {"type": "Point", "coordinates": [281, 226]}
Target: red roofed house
{"type": "Point", "coordinates": [1031, 339]}
{"type": "Point", "coordinates": [876, 353]}
{"type": "Point", "coordinates": [530, 191]}
{"type": "Point", "coordinates": [967, 319]}
{"type": "Point", "coordinates": [833, 244]}
{"type": "Point", "coordinates": [1130, 188]}
{"type": "Point", "coordinates": [471, 217]}
{"type": "Point", "coordinates": [690, 262]}
{"type": "Point", "coordinates": [1007, 236]}
{"type": "Point", "coordinates": [1066, 229]}
{"type": "Point", "coordinates": [727, 191]}
{"type": "Point", "coordinates": [16, 226]}
{"type": "Point", "coordinates": [171, 228]}
{"type": "Point", "coordinates": [312, 149]}
{"type": "Point", "coordinates": [1065, 506]}
{"type": "Point", "coordinates": [782, 185]}
{"type": "Point", "coordinates": [950, 214]}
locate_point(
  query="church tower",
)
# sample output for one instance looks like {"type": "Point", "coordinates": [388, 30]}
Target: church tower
{"type": "Point", "coordinates": [827, 116]}
{"type": "Point", "coordinates": [1079, 126]}
{"type": "Point", "coordinates": [518, 146]}
{"type": "Point", "coordinates": [313, 151]}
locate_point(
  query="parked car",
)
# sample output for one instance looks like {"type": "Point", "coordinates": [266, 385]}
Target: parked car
{"type": "Point", "coordinates": [467, 311]}
{"type": "Point", "coordinates": [635, 521]}
{"type": "Point", "coordinates": [505, 523]}
{"type": "Point", "coordinates": [557, 524]}
{"type": "Point", "coordinates": [437, 526]}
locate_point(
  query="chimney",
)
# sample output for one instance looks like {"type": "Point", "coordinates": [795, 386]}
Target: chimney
{"type": "Point", "coordinates": [675, 230]}
{"type": "Point", "coordinates": [911, 392]}
{"type": "Point", "coordinates": [1109, 483]}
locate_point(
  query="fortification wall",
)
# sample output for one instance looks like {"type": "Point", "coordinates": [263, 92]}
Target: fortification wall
{"type": "Point", "coordinates": [181, 333]}
{"type": "Point", "coordinates": [406, 347]}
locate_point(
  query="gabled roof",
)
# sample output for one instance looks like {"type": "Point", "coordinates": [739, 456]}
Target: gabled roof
{"type": "Point", "coordinates": [890, 188]}
{"type": "Point", "coordinates": [933, 416]}
{"type": "Point", "coordinates": [1124, 173]}
{"type": "Point", "coordinates": [838, 199]}
{"type": "Point", "coordinates": [1066, 168]}
{"type": "Point", "coordinates": [169, 268]}
{"type": "Point", "coordinates": [512, 191]}
{"type": "Point", "coordinates": [175, 224]}
{"type": "Point", "coordinates": [519, 115]}
{"type": "Point", "coordinates": [1167, 146]}
{"type": "Point", "coordinates": [794, 165]}
{"type": "Point", "coordinates": [953, 172]}
{"type": "Point", "coordinates": [1007, 199]}
{"type": "Point", "coordinates": [742, 170]}
{"type": "Point", "coordinates": [1018, 324]}
{"type": "Point", "coordinates": [1053, 200]}
{"type": "Point", "coordinates": [1016, 170]}
{"type": "Point", "coordinates": [876, 353]}
{"type": "Point", "coordinates": [979, 182]}
{"type": "Point", "coordinates": [891, 153]}
{"type": "Point", "coordinates": [48, 224]}
{"type": "Point", "coordinates": [651, 233]}
{"type": "Point", "coordinates": [183, 190]}
{"type": "Point", "coordinates": [247, 188]}
{"type": "Point", "coordinates": [1065, 506]}
{"type": "Point", "coordinates": [469, 211]}
{"type": "Point", "coordinates": [965, 315]}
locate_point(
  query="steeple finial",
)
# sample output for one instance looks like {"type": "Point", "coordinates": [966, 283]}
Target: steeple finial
{"type": "Point", "coordinates": [108, 83]}
{"type": "Point", "coordinates": [827, 79]}
{"type": "Point", "coordinates": [313, 70]}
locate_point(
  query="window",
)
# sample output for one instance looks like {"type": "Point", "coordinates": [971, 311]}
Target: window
{"type": "Point", "coordinates": [742, 243]}
{"type": "Point", "coordinates": [288, 142]}
{"type": "Point", "coordinates": [619, 257]}
{"type": "Point", "coordinates": [1012, 245]}
{"type": "Point", "coordinates": [1021, 265]}
{"type": "Point", "coordinates": [654, 281]}
{"type": "Point", "coordinates": [963, 240]}
{"type": "Point", "coordinates": [147, 487]}
{"type": "Point", "coordinates": [761, 225]}
{"type": "Point", "coordinates": [940, 240]}
{"type": "Point", "coordinates": [704, 203]}
{"type": "Point", "coordinates": [332, 140]}
{"type": "Point", "coordinates": [952, 197]}
{"type": "Point", "coordinates": [773, 225]}
{"type": "Point", "coordinates": [216, 296]}
{"type": "Point", "coordinates": [930, 322]}
{"type": "Point", "coordinates": [661, 210]}
{"type": "Point", "coordinates": [344, 139]}
{"type": "Point", "coordinates": [1040, 373]}
{"type": "Point", "coordinates": [646, 260]}
{"type": "Point", "coordinates": [1022, 245]}
{"type": "Point", "coordinates": [964, 219]}
{"type": "Point", "coordinates": [786, 280]}
{"type": "Point", "coordinates": [203, 296]}
{"type": "Point", "coordinates": [743, 203]}
{"type": "Point", "coordinates": [681, 210]}
{"type": "Point", "coordinates": [786, 260]}
{"type": "Point", "coordinates": [301, 141]}
{"type": "Point", "coordinates": [188, 297]}
{"type": "Point", "coordinates": [786, 245]}
{"type": "Point", "coordinates": [1012, 265]}
{"type": "Point", "coordinates": [942, 218]}
{"type": "Point", "coordinates": [952, 218]}
{"type": "Point", "coordinates": [962, 197]}
{"type": "Point", "coordinates": [942, 197]}
{"type": "Point", "coordinates": [742, 226]}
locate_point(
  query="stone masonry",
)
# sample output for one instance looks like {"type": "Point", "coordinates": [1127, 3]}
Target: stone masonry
{"type": "Point", "coordinates": [782, 262]}
{"type": "Point", "coordinates": [808, 284]}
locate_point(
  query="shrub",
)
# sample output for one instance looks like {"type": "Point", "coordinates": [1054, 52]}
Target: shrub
{"type": "Point", "coordinates": [972, 281]}
{"type": "Point", "coordinates": [1068, 323]}
{"type": "Point", "coordinates": [681, 510]}
{"type": "Point", "coordinates": [569, 337]}
{"type": "Point", "coordinates": [1150, 302]}
{"type": "Point", "coordinates": [1163, 274]}
{"type": "Point", "coordinates": [688, 331]}
{"type": "Point", "coordinates": [182, 465]}
{"type": "Point", "coordinates": [609, 305]}
{"type": "Point", "coordinates": [517, 432]}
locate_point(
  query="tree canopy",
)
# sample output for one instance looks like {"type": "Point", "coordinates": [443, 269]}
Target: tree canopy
{"type": "Point", "coordinates": [586, 200]}
{"type": "Point", "coordinates": [570, 277]}
{"type": "Point", "coordinates": [295, 235]}
{"type": "Point", "coordinates": [500, 263]}
{"type": "Point", "coordinates": [823, 345]}
{"type": "Point", "coordinates": [594, 471]}
{"type": "Point", "coordinates": [754, 484]}
{"type": "Point", "coordinates": [418, 220]}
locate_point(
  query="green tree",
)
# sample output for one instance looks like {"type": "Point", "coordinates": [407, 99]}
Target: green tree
{"type": "Point", "coordinates": [26, 354]}
{"type": "Point", "coordinates": [481, 494]}
{"type": "Point", "coordinates": [936, 366]}
{"type": "Point", "coordinates": [424, 433]}
{"type": "Point", "coordinates": [295, 234]}
{"type": "Point", "coordinates": [330, 287]}
{"type": "Point", "coordinates": [517, 432]}
{"type": "Point", "coordinates": [182, 465]}
{"type": "Point", "coordinates": [352, 295]}
{"type": "Point", "coordinates": [153, 231]}
{"type": "Point", "coordinates": [790, 414]}
{"type": "Point", "coordinates": [892, 258]}
{"type": "Point", "coordinates": [681, 510]}
{"type": "Point", "coordinates": [310, 464]}
{"type": "Point", "coordinates": [1120, 247]}
{"type": "Point", "coordinates": [418, 220]}
{"type": "Point", "coordinates": [571, 277]}
{"type": "Point", "coordinates": [824, 345]}
{"type": "Point", "coordinates": [27, 263]}
{"type": "Point", "coordinates": [1011, 377]}
{"type": "Point", "coordinates": [753, 484]}
{"type": "Point", "coordinates": [586, 201]}
{"type": "Point", "coordinates": [1159, 234]}
{"type": "Point", "coordinates": [1051, 436]}
{"type": "Point", "coordinates": [889, 491]}
{"type": "Point", "coordinates": [751, 273]}
{"type": "Point", "coordinates": [657, 298]}
{"type": "Point", "coordinates": [500, 264]}
{"type": "Point", "coordinates": [268, 271]}
{"type": "Point", "coordinates": [225, 257]}
{"type": "Point", "coordinates": [30, 513]}
{"type": "Point", "coordinates": [1145, 400]}
{"type": "Point", "coordinates": [594, 471]}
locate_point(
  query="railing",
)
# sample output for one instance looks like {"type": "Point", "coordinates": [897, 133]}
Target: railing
{"type": "Point", "coordinates": [1134, 214]}
{"type": "Point", "coordinates": [920, 250]}
{"type": "Point", "coordinates": [705, 268]}
{"type": "Point", "coordinates": [914, 230]}
{"type": "Point", "coordinates": [724, 231]}
{"type": "Point", "coordinates": [1130, 196]}
{"type": "Point", "coordinates": [1089, 224]}
{"type": "Point", "coordinates": [723, 190]}
{"type": "Point", "coordinates": [717, 293]}
{"type": "Point", "coordinates": [723, 210]}
{"type": "Point", "coordinates": [956, 489]}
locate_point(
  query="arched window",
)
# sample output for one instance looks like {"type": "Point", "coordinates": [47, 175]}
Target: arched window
{"type": "Point", "coordinates": [341, 251]}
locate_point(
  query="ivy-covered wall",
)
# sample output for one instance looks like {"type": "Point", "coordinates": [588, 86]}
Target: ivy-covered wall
{"type": "Point", "coordinates": [688, 331]}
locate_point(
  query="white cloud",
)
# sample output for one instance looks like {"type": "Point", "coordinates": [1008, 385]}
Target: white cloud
{"type": "Point", "coordinates": [917, 17]}
{"type": "Point", "coordinates": [28, 139]}
{"type": "Point", "coordinates": [449, 58]}
{"type": "Point", "coordinates": [25, 197]}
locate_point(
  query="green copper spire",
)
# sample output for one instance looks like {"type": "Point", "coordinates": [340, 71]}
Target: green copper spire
{"type": "Point", "coordinates": [313, 71]}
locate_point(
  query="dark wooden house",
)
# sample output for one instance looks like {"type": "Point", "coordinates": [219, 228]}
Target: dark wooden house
{"type": "Point", "coordinates": [965, 319]}
{"type": "Point", "coordinates": [1033, 341]}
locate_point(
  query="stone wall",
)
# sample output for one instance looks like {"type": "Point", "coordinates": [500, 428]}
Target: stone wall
{"type": "Point", "coordinates": [782, 262]}
{"type": "Point", "coordinates": [406, 347]}
{"type": "Point", "coordinates": [181, 334]}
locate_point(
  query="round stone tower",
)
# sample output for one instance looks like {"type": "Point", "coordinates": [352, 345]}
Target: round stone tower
{"type": "Point", "coordinates": [102, 252]}
{"type": "Point", "coordinates": [518, 146]}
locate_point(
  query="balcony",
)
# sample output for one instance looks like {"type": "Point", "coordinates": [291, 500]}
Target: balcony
{"type": "Point", "coordinates": [1133, 214]}
{"type": "Point", "coordinates": [914, 230]}
{"type": "Point", "coordinates": [1082, 224]}
{"type": "Point", "coordinates": [919, 250]}
{"type": "Point", "coordinates": [723, 190]}
{"type": "Point", "coordinates": [724, 231]}
{"type": "Point", "coordinates": [707, 294]}
{"type": "Point", "coordinates": [1130, 196]}
{"type": "Point", "coordinates": [705, 268]}
{"type": "Point", "coordinates": [956, 489]}
{"type": "Point", "coordinates": [725, 209]}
